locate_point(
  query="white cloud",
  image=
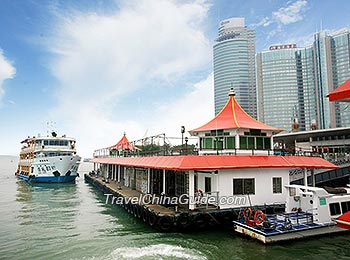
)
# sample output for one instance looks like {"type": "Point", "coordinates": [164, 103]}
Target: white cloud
{"type": "Point", "coordinates": [195, 109]}
{"type": "Point", "coordinates": [292, 13]}
{"type": "Point", "coordinates": [7, 71]}
{"type": "Point", "coordinates": [103, 59]}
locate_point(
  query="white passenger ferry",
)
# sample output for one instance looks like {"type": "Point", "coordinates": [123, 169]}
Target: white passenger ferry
{"type": "Point", "coordinates": [48, 159]}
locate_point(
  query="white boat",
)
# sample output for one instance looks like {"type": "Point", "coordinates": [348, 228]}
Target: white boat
{"type": "Point", "coordinates": [310, 211]}
{"type": "Point", "coordinates": [48, 159]}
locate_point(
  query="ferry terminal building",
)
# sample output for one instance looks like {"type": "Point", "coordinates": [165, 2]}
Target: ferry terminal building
{"type": "Point", "coordinates": [235, 158]}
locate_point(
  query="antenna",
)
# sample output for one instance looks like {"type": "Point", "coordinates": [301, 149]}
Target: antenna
{"type": "Point", "coordinates": [50, 127]}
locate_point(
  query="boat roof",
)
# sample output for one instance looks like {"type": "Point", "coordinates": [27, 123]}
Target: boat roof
{"type": "Point", "coordinates": [233, 116]}
{"type": "Point", "coordinates": [47, 138]}
{"type": "Point", "coordinates": [218, 162]}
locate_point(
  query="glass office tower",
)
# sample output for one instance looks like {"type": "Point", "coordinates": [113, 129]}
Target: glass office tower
{"type": "Point", "coordinates": [294, 82]}
{"type": "Point", "coordinates": [285, 85]}
{"type": "Point", "coordinates": [234, 65]}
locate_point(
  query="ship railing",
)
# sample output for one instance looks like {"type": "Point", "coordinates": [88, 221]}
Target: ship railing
{"type": "Point", "coordinates": [311, 211]}
{"type": "Point", "coordinates": [207, 200]}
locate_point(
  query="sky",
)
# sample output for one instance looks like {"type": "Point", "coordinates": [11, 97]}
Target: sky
{"type": "Point", "coordinates": [95, 69]}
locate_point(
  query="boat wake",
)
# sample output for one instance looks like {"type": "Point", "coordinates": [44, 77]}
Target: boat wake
{"type": "Point", "coordinates": [159, 251]}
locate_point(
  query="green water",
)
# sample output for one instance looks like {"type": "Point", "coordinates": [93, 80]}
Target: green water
{"type": "Point", "coordinates": [73, 222]}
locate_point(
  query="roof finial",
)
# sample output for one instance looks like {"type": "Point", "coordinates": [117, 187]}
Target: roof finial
{"type": "Point", "coordinates": [232, 92]}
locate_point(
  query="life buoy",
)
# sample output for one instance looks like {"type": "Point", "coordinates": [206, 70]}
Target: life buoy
{"type": "Point", "coordinates": [259, 217]}
{"type": "Point", "coordinates": [248, 213]}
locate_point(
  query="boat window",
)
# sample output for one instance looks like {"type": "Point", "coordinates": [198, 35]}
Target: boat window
{"type": "Point", "coordinates": [277, 185]}
{"type": "Point", "coordinates": [345, 206]}
{"type": "Point", "coordinates": [334, 208]}
{"type": "Point", "coordinates": [46, 142]}
{"type": "Point", "coordinates": [243, 186]}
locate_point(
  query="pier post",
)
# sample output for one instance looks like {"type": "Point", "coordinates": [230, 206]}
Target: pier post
{"type": "Point", "coordinates": [305, 176]}
{"type": "Point", "coordinates": [191, 190]}
{"type": "Point", "coordinates": [148, 180]}
{"type": "Point", "coordinates": [313, 178]}
{"type": "Point", "coordinates": [114, 173]}
{"type": "Point", "coordinates": [163, 181]}
{"type": "Point", "coordinates": [119, 173]}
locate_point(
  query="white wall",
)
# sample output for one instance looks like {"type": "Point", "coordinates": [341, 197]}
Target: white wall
{"type": "Point", "coordinates": [263, 185]}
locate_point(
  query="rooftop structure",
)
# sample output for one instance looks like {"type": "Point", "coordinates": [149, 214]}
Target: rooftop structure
{"type": "Point", "coordinates": [232, 130]}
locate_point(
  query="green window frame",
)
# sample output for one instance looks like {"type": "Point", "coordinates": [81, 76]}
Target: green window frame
{"type": "Point", "coordinates": [208, 143]}
{"type": "Point", "coordinates": [243, 142]}
{"type": "Point", "coordinates": [230, 142]}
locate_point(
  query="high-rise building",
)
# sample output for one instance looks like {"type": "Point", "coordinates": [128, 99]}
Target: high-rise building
{"type": "Point", "coordinates": [332, 67]}
{"type": "Point", "coordinates": [234, 65]}
{"type": "Point", "coordinates": [286, 86]}
{"type": "Point", "coordinates": [293, 83]}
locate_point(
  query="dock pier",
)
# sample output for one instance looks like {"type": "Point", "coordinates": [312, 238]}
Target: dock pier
{"type": "Point", "coordinates": [162, 217]}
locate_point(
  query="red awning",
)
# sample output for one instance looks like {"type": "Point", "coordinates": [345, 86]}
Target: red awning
{"type": "Point", "coordinates": [218, 162]}
{"type": "Point", "coordinates": [123, 144]}
{"type": "Point", "coordinates": [233, 116]}
{"type": "Point", "coordinates": [341, 93]}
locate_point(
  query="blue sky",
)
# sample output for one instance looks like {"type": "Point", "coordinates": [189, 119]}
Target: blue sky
{"type": "Point", "coordinates": [101, 68]}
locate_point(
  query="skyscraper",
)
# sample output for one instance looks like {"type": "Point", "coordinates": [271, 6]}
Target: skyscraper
{"type": "Point", "coordinates": [332, 68]}
{"type": "Point", "coordinates": [234, 65]}
{"type": "Point", "coordinates": [293, 82]}
{"type": "Point", "coordinates": [286, 86]}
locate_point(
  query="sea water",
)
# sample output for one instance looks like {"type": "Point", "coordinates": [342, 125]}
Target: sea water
{"type": "Point", "coordinates": [72, 221]}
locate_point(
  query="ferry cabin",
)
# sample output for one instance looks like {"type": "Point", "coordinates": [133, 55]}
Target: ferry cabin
{"type": "Point", "coordinates": [38, 149]}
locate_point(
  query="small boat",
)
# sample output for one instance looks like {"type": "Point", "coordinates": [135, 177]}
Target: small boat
{"type": "Point", "coordinates": [310, 211]}
{"type": "Point", "coordinates": [48, 159]}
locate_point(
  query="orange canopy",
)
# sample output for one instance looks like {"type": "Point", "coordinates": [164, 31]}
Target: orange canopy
{"type": "Point", "coordinates": [341, 93]}
{"type": "Point", "coordinates": [123, 144]}
{"type": "Point", "coordinates": [218, 162]}
{"type": "Point", "coordinates": [233, 116]}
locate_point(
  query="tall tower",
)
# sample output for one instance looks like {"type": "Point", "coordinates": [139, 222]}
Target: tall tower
{"type": "Point", "coordinates": [286, 86]}
{"type": "Point", "coordinates": [332, 68]}
{"type": "Point", "coordinates": [234, 65]}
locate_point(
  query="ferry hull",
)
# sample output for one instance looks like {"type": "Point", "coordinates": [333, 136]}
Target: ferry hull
{"type": "Point", "coordinates": [48, 179]}
{"type": "Point", "coordinates": [268, 238]}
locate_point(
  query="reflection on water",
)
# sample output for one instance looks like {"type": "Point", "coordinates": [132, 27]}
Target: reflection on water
{"type": "Point", "coordinates": [72, 221]}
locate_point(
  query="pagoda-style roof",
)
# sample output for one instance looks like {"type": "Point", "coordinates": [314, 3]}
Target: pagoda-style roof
{"type": "Point", "coordinates": [123, 144]}
{"type": "Point", "coordinates": [341, 93]}
{"type": "Point", "coordinates": [232, 116]}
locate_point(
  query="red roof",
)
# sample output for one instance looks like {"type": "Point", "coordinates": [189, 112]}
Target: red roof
{"type": "Point", "coordinates": [233, 116]}
{"type": "Point", "coordinates": [123, 144]}
{"type": "Point", "coordinates": [341, 93]}
{"type": "Point", "coordinates": [218, 162]}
